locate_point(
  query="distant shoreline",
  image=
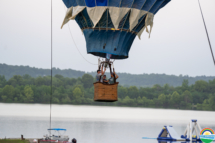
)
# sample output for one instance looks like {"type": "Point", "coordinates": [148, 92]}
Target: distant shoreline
{"type": "Point", "coordinates": [102, 113]}
{"type": "Point", "coordinates": [126, 79]}
{"type": "Point", "coordinates": [102, 106]}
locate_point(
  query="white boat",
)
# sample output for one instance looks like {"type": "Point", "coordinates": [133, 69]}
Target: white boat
{"type": "Point", "coordinates": [56, 134]}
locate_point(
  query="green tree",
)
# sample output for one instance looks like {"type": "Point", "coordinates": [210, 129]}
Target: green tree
{"type": "Point", "coordinates": [66, 99]}
{"type": "Point", "coordinates": [128, 101]}
{"type": "Point", "coordinates": [163, 100]}
{"type": "Point", "coordinates": [206, 105]}
{"type": "Point", "coordinates": [89, 92]}
{"type": "Point", "coordinates": [122, 92]}
{"type": "Point", "coordinates": [133, 92]}
{"type": "Point", "coordinates": [71, 81]}
{"type": "Point", "coordinates": [151, 103]}
{"type": "Point", "coordinates": [156, 102]}
{"type": "Point", "coordinates": [16, 80]}
{"type": "Point", "coordinates": [44, 92]}
{"type": "Point", "coordinates": [145, 101]}
{"type": "Point", "coordinates": [212, 101]}
{"type": "Point", "coordinates": [3, 81]}
{"type": "Point", "coordinates": [201, 86]}
{"type": "Point", "coordinates": [187, 96]}
{"type": "Point", "coordinates": [183, 105]}
{"type": "Point", "coordinates": [147, 92]}
{"type": "Point", "coordinates": [29, 94]}
{"type": "Point", "coordinates": [157, 87]}
{"type": "Point", "coordinates": [55, 100]}
{"type": "Point", "coordinates": [21, 98]}
{"type": "Point", "coordinates": [9, 92]}
{"type": "Point", "coordinates": [197, 97]}
{"type": "Point", "coordinates": [27, 80]}
{"type": "Point", "coordinates": [166, 88]}
{"type": "Point", "coordinates": [185, 85]}
{"type": "Point", "coordinates": [56, 94]}
{"type": "Point", "coordinates": [87, 80]}
{"type": "Point", "coordinates": [78, 95]}
{"type": "Point", "coordinates": [15, 99]}
{"type": "Point", "coordinates": [175, 100]}
{"type": "Point", "coordinates": [59, 76]}
{"type": "Point", "coordinates": [26, 76]}
{"type": "Point", "coordinates": [42, 81]}
{"type": "Point", "coordinates": [57, 82]}
{"type": "Point", "coordinates": [140, 101]}
{"type": "Point", "coordinates": [199, 106]}
{"type": "Point", "coordinates": [4, 98]}
{"type": "Point", "coordinates": [77, 92]}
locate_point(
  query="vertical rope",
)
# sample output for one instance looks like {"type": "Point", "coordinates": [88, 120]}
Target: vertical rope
{"type": "Point", "coordinates": [207, 33]}
{"type": "Point", "coordinates": [51, 75]}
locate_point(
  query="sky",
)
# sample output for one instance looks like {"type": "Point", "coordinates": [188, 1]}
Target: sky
{"type": "Point", "coordinates": [178, 43]}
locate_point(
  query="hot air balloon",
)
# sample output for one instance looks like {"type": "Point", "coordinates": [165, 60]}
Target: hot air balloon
{"type": "Point", "coordinates": [110, 27]}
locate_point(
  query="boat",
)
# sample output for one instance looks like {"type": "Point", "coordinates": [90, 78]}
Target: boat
{"type": "Point", "coordinates": [56, 135]}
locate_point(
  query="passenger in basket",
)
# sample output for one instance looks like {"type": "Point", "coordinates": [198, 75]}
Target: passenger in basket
{"type": "Point", "coordinates": [105, 81]}
{"type": "Point", "coordinates": [99, 74]}
{"type": "Point", "coordinates": [113, 78]}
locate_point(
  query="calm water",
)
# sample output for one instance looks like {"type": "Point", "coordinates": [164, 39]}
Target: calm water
{"type": "Point", "coordinates": [96, 124]}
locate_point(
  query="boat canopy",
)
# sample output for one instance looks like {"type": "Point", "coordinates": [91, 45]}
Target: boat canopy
{"type": "Point", "coordinates": [57, 129]}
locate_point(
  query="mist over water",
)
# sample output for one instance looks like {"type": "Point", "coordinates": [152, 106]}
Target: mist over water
{"type": "Point", "coordinates": [96, 124]}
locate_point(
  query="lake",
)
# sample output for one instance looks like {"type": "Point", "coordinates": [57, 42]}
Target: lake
{"type": "Point", "coordinates": [96, 124]}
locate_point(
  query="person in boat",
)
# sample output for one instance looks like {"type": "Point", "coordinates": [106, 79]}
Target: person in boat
{"type": "Point", "coordinates": [113, 78]}
{"type": "Point", "coordinates": [99, 75]}
{"type": "Point", "coordinates": [105, 81]}
{"type": "Point", "coordinates": [74, 140]}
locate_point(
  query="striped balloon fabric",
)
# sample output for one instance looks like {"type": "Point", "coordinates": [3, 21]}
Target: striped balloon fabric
{"type": "Point", "coordinates": [110, 26]}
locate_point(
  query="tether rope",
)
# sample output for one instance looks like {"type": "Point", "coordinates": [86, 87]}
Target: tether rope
{"type": "Point", "coordinates": [207, 33]}
{"type": "Point", "coordinates": [51, 75]}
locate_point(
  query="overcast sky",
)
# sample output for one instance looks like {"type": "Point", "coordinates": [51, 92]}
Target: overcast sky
{"type": "Point", "coordinates": [178, 43]}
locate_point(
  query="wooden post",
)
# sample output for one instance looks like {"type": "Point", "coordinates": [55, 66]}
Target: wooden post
{"type": "Point", "coordinates": [22, 137]}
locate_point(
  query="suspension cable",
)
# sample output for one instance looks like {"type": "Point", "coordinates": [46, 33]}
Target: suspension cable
{"type": "Point", "coordinates": [77, 47]}
{"type": "Point", "coordinates": [207, 33]}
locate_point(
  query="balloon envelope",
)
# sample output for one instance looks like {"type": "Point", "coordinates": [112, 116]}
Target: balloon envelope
{"type": "Point", "coordinates": [110, 26]}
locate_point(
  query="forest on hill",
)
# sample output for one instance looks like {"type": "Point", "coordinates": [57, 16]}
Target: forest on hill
{"type": "Point", "coordinates": [126, 79]}
{"type": "Point", "coordinates": [80, 91]}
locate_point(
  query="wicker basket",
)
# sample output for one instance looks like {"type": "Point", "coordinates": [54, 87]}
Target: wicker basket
{"type": "Point", "coordinates": [105, 92]}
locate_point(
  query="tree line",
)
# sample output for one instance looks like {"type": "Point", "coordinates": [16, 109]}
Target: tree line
{"type": "Point", "coordinates": [126, 79]}
{"type": "Point", "coordinates": [27, 89]}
